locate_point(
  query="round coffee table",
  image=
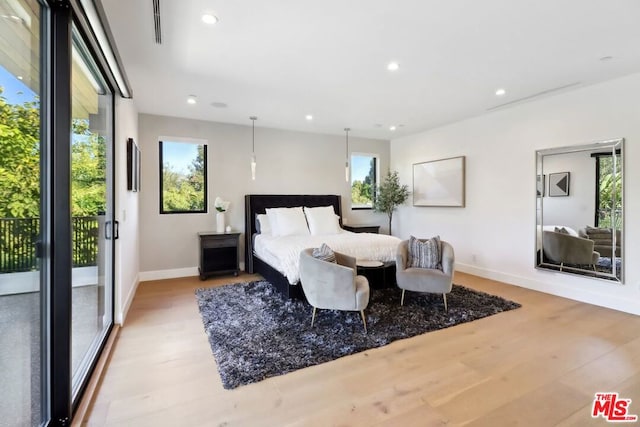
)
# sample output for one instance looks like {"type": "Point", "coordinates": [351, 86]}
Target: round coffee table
{"type": "Point", "coordinates": [369, 264]}
{"type": "Point", "coordinates": [376, 272]}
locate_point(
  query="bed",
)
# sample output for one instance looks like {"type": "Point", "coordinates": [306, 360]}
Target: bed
{"type": "Point", "coordinates": [276, 259]}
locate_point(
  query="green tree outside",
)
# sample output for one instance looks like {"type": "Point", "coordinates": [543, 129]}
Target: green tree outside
{"type": "Point", "coordinates": [19, 159]}
{"type": "Point", "coordinates": [610, 187]}
{"type": "Point", "coordinates": [20, 184]}
{"type": "Point", "coordinates": [362, 192]}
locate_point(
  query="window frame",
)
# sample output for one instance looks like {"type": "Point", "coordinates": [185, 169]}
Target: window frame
{"type": "Point", "coordinates": [205, 190]}
{"type": "Point", "coordinates": [376, 158]}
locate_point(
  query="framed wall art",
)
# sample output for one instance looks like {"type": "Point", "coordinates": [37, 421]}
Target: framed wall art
{"type": "Point", "coordinates": [439, 183]}
{"type": "Point", "coordinates": [559, 184]}
{"type": "Point", "coordinates": [133, 166]}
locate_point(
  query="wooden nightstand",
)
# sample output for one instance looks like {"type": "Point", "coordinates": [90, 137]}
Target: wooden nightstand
{"type": "Point", "coordinates": [219, 253]}
{"type": "Point", "coordinates": [362, 228]}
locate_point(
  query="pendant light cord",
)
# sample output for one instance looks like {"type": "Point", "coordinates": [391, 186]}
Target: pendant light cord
{"type": "Point", "coordinates": [346, 154]}
{"type": "Point", "coordinates": [253, 133]}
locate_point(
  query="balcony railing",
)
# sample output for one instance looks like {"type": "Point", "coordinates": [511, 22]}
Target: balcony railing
{"type": "Point", "coordinates": [18, 237]}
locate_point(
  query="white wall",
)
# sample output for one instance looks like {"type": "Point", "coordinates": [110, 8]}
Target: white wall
{"type": "Point", "coordinates": [288, 163]}
{"type": "Point", "coordinates": [127, 246]}
{"type": "Point", "coordinates": [494, 235]}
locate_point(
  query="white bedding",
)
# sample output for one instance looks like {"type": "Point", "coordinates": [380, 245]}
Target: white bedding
{"type": "Point", "coordinates": [283, 253]}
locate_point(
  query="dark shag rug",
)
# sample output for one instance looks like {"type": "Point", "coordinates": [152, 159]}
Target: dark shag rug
{"type": "Point", "coordinates": [256, 333]}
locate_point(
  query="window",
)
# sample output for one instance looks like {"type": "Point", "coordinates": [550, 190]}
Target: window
{"type": "Point", "coordinates": [183, 177]}
{"type": "Point", "coordinates": [364, 179]}
{"type": "Point", "coordinates": [608, 190]}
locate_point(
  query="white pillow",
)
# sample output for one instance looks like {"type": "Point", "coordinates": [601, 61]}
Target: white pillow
{"type": "Point", "coordinates": [287, 222]}
{"type": "Point", "coordinates": [264, 224]}
{"type": "Point", "coordinates": [322, 220]}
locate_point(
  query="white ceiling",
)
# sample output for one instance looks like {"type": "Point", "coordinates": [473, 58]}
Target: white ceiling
{"type": "Point", "coordinates": [283, 59]}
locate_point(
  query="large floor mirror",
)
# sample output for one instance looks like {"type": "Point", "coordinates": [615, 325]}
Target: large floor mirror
{"type": "Point", "coordinates": [579, 209]}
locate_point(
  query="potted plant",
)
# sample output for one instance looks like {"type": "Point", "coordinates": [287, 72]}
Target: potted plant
{"type": "Point", "coordinates": [389, 195]}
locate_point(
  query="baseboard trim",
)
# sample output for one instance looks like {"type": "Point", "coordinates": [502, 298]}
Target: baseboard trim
{"type": "Point", "coordinates": [173, 273]}
{"type": "Point", "coordinates": [168, 274]}
{"type": "Point", "coordinates": [556, 288]}
{"type": "Point", "coordinates": [122, 315]}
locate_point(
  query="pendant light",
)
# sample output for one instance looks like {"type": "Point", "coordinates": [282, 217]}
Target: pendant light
{"type": "Point", "coordinates": [253, 147]}
{"type": "Point", "coordinates": [346, 163]}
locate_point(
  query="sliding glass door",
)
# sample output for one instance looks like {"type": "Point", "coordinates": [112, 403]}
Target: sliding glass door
{"type": "Point", "coordinates": [91, 210]}
{"type": "Point", "coordinates": [21, 288]}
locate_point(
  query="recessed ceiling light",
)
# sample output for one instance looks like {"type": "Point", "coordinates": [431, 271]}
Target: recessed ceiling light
{"type": "Point", "coordinates": [392, 128]}
{"type": "Point", "coordinates": [219, 105]}
{"type": "Point", "coordinates": [308, 117]}
{"type": "Point", "coordinates": [19, 77]}
{"type": "Point", "coordinates": [191, 100]}
{"type": "Point", "coordinates": [500, 92]}
{"type": "Point", "coordinates": [393, 66]}
{"type": "Point", "coordinates": [209, 18]}
{"type": "Point", "coordinates": [606, 58]}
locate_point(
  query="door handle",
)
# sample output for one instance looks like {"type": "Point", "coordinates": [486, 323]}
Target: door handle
{"type": "Point", "coordinates": [108, 228]}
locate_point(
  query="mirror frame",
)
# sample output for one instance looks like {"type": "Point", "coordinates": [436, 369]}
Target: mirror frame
{"type": "Point", "coordinates": [615, 146]}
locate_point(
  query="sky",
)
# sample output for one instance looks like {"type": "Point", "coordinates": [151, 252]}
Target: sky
{"type": "Point", "coordinates": [15, 91]}
{"type": "Point", "coordinates": [360, 167]}
{"type": "Point", "coordinates": [179, 155]}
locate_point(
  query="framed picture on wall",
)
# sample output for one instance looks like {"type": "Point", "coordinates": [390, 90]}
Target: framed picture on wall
{"type": "Point", "coordinates": [439, 183]}
{"type": "Point", "coordinates": [133, 166]}
{"type": "Point", "coordinates": [559, 184]}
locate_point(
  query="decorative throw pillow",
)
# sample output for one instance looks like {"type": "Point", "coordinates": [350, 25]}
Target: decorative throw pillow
{"type": "Point", "coordinates": [325, 253]}
{"type": "Point", "coordinates": [425, 253]}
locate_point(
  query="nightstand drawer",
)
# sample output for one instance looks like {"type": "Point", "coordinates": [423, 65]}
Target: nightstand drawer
{"type": "Point", "coordinates": [219, 243]}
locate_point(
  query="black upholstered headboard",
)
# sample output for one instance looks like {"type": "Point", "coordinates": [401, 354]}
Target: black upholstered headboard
{"type": "Point", "coordinates": [255, 204]}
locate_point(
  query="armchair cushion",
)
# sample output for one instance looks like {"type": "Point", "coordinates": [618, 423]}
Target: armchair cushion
{"type": "Point", "coordinates": [324, 253]}
{"type": "Point", "coordinates": [425, 253]}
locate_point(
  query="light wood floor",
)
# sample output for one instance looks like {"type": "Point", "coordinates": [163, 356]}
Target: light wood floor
{"type": "Point", "coordinates": [539, 365]}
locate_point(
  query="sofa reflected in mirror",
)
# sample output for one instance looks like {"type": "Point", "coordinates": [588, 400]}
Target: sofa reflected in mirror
{"type": "Point", "coordinates": [579, 215]}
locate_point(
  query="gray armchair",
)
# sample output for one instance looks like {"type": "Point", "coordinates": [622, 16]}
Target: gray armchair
{"type": "Point", "coordinates": [603, 240]}
{"type": "Point", "coordinates": [567, 249]}
{"type": "Point", "coordinates": [425, 279]}
{"type": "Point", "coordinates": [333, 286]}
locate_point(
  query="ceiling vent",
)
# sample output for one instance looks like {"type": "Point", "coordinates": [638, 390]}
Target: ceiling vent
{"type": "Point", "coordinates": [535, 95]}
{"type": "Point", "coordinates": [156, 21]}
